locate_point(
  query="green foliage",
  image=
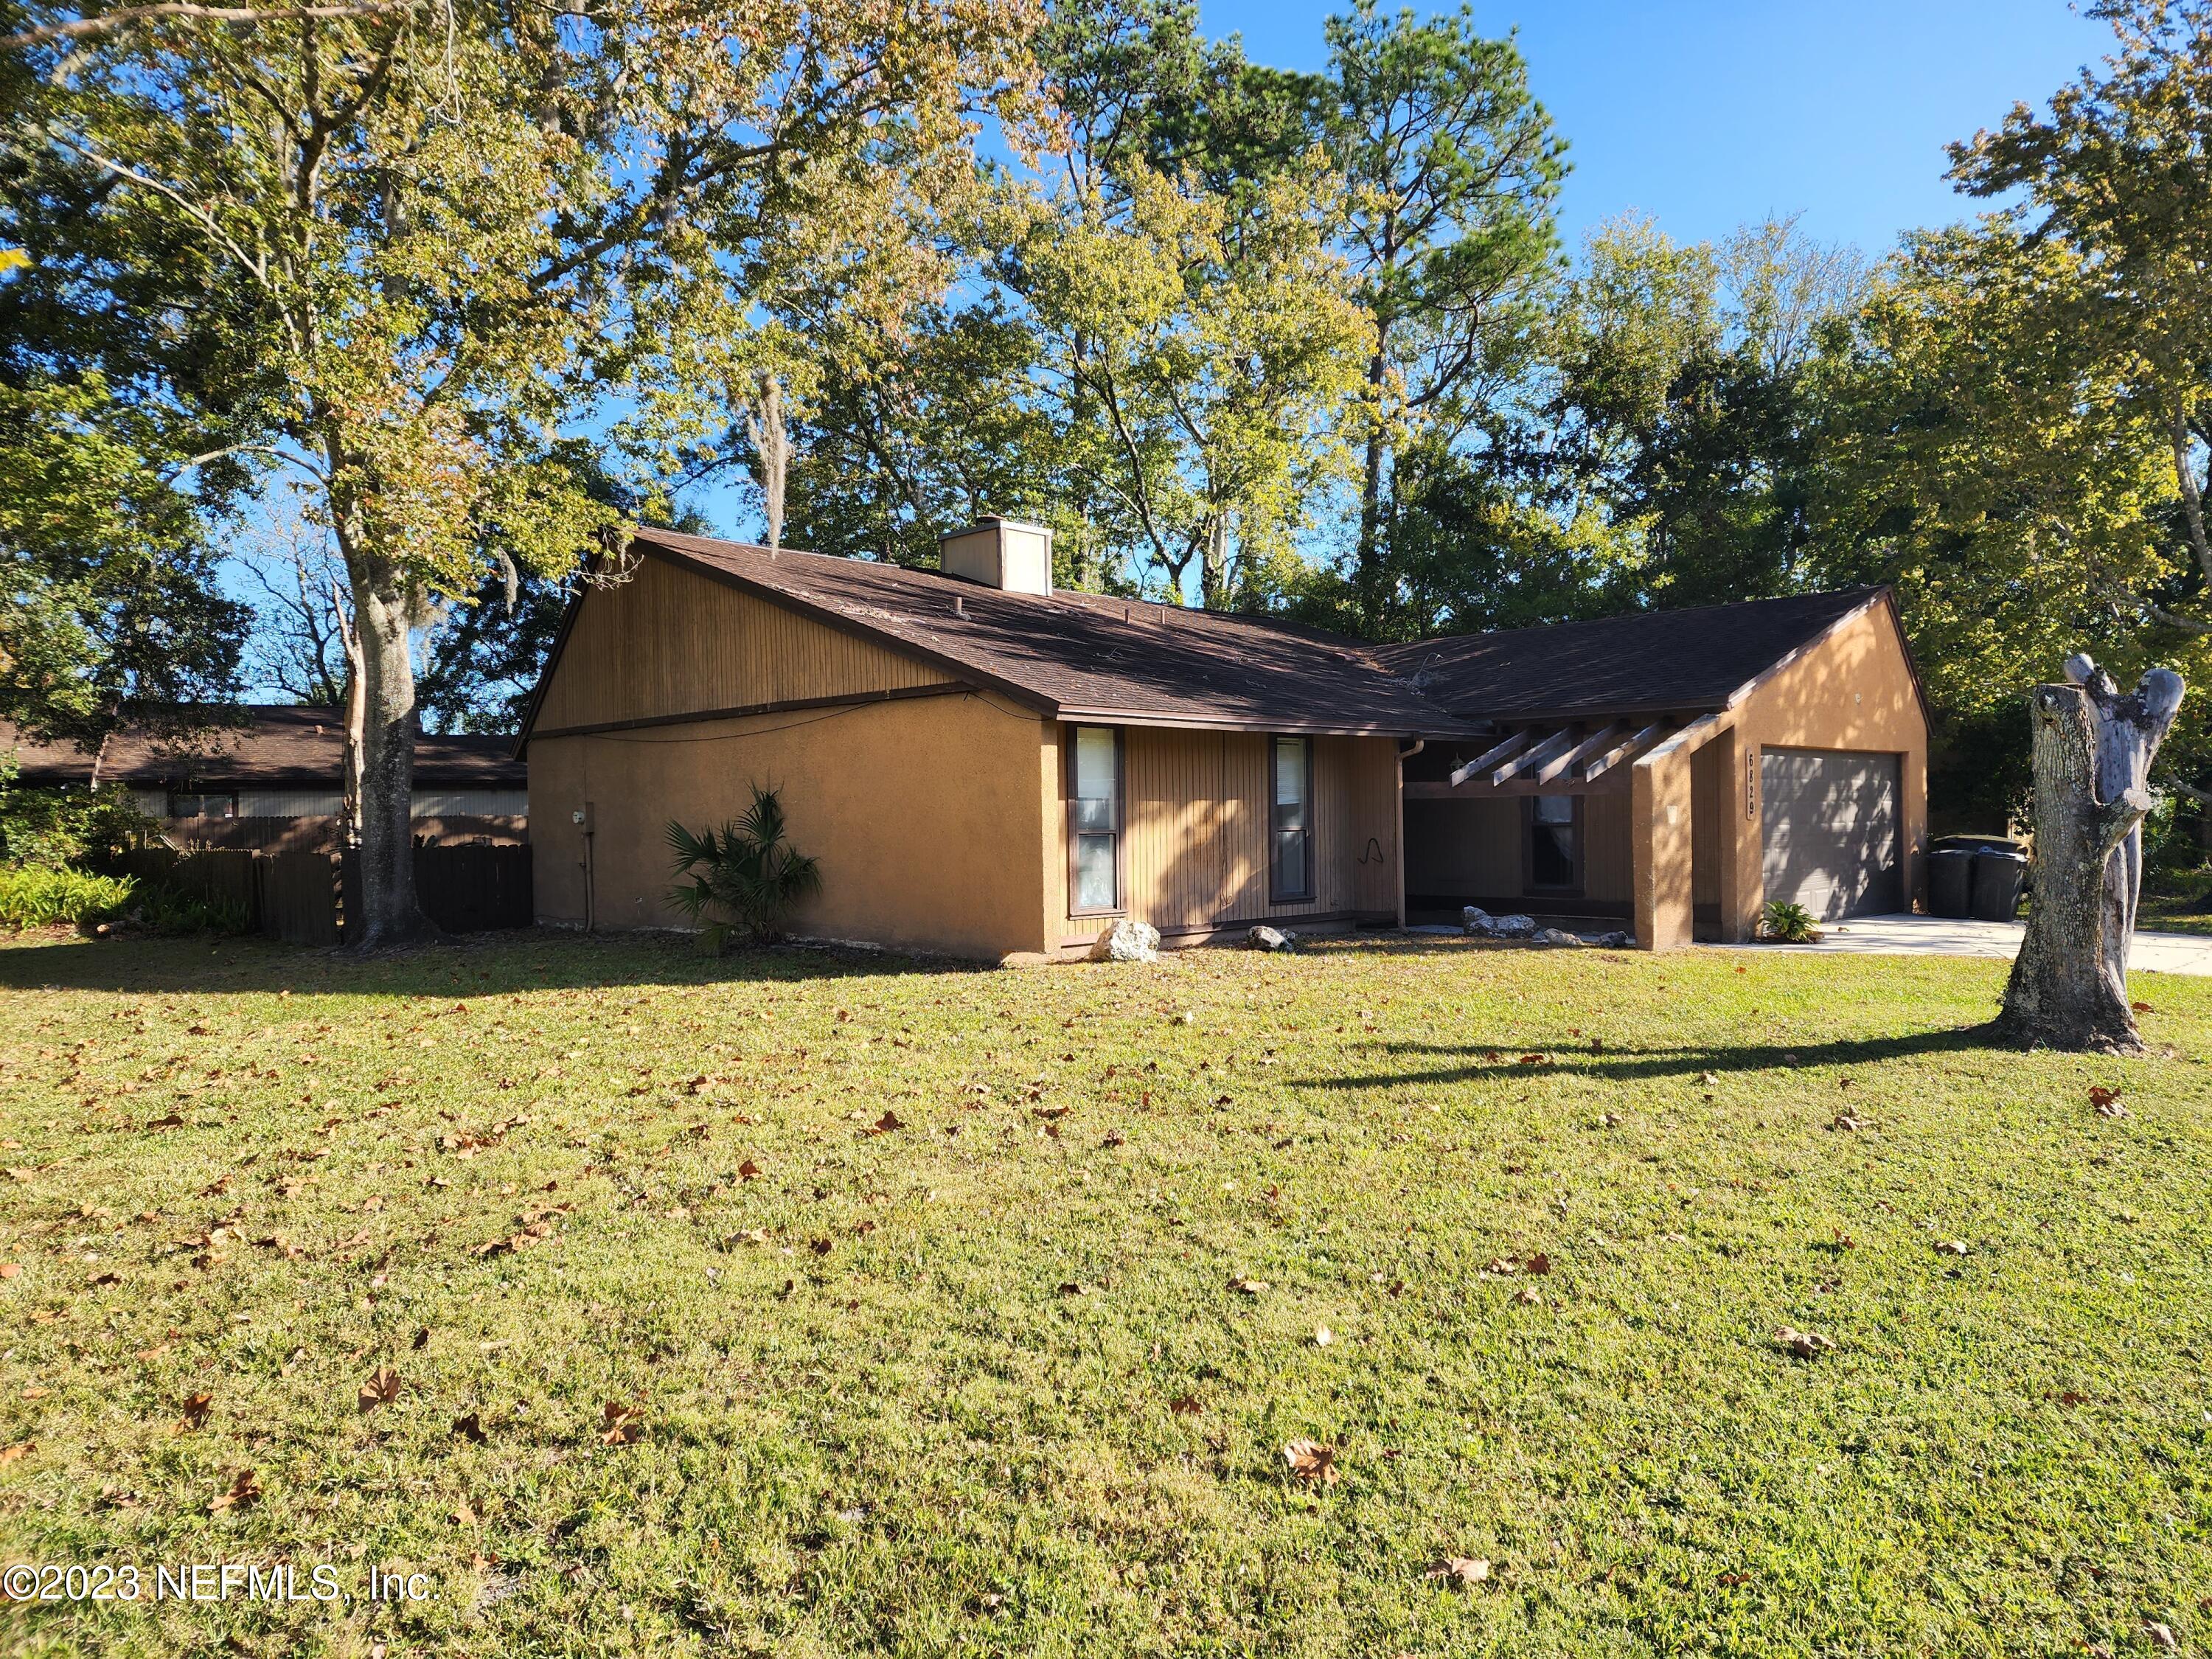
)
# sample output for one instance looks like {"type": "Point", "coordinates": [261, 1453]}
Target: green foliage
{"type": "Point", "coordinates": [63, 828]}
{"type": "Point", "coordinates": [109, 608]}
{"type": "Point", "coordinates": [178, 907]}
{"type": "Point", "coordinates": [1787, 923]}
{"type": "Point", "coordinates": [43, 896]}
{"type": "Point", "coordinates": [746, 881]}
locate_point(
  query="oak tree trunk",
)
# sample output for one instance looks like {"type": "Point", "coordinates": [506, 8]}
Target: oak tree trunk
{"type": "Point", "coordinates": [2093, 751]}
{"type": "Point", "coordinates": [389, 914]}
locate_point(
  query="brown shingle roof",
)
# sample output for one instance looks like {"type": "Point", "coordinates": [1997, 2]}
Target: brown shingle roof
{"type": "Point", "coordinates": [1091, 656]}
{"type": "Point", "coordinates": [1648, 661]}
{"type": "Point", "coordinates": [1079, 654]}
{"type": "Point", "coordinates": [276, 746]}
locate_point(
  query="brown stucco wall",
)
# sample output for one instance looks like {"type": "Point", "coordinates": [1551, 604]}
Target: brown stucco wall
{"type": "Point", "coordinates": [925, 814]}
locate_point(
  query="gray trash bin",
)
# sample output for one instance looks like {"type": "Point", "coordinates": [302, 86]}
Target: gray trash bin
{"type": "Point", "coordinates": [1998, 878]}
{"type": "Point", "coordinates": [1951, 882]}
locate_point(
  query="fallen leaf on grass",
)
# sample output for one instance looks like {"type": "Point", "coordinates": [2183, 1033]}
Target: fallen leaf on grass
{"type": "Point", "coordinates": [380, 1387]}
{"type": "Point", "coordinates": [1114, 1137]}
{"type": "Point", "coordinates": [463, 1516]}
{"type": "Point", "coordinates": [196, 1413]}
{"type": "Point", "coordinates": [467, 1426]}
{"type": "Point", "coordinates": [1539, 1263]}
{"type": "Point", "coordinates": [1310, 1459]}
{"type": "Point", "coordinates": [1459, 1571]}
{"type": "Point", "coordinates": [245, 1492]}
{"type": "Point", "coordinates": [1952, 1247]}
{"type": "Point", "coordinates": [36, 1393]}
{"type": "Point", "coordinates": [10, 1269]}
{"type": "Point", "coordinates": [1709, 1079]}
{"type": "Point", "coordinates": [1186, 1405]}
{"type": "Point", "coordinates": [887, 1122]}
{"type": "Point", "coordinates": [748, 1170]}
{"type": "Point", "coordinates": [1244, 1287]}
{"type": "Point", "coordinates": [619, 1425]}
{"type": "Point", "coordinates": [2161, 1635]}
{"type": "Point", "coordinates": [22, 1449]}
{"type": "Point", "coordinates": [1806, 1344]}
{"type": "Point", "coordinates": [1526, 1297]}
{"type": "Point", "coordinates": [1072, 1288]}
{"type": "Point", "coordinates": [1846, 1122]}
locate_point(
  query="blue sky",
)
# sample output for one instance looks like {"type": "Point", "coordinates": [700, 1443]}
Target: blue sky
{"type": "Point", "coordinates": [1709, 113]}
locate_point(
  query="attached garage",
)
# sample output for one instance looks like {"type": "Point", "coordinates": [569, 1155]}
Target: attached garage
{"type": "Point", "coordinates": [1830, 835]}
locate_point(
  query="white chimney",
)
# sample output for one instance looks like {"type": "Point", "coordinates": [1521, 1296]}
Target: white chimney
{"type": "Point", "coordinates": [1002, 553]}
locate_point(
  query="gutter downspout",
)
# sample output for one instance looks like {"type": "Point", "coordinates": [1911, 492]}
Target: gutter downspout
{"type": "Point", "coordinates": [1404, 755]}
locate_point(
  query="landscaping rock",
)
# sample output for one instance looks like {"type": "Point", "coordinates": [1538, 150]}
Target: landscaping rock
{"type": "Point", "coordinates": [1476, 920]}
{"type": "Point", "coordinates": [1513, 926]}
{"type": "Point", "coordinates": [1127, 941]}
{"type": "Point", "coordinates": [1616, 940]}
{"type": "Point", "coordinates": [1554, 936]}
{"type": "Point", "coordinates": [1271, 939]}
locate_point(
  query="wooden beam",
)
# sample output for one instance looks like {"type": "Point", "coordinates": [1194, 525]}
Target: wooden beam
{"type": "Point", "coordinates": [1622, 752]}
{"type": "Point", "coordinates": [1557, 743]}
{"type": "Point", "coordinates": [1590, 746]}
{"type": "Point", "coordinates": [1490, 757]}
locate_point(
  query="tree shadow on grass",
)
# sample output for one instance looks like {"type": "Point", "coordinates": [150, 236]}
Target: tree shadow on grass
{"type": "Point", "coordinates": [459, 965]}
{"type": "Point", "coordinates": [1477, 1062]}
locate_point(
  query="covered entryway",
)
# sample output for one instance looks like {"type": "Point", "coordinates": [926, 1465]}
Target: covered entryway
{"type": "Point", "coordinates": [1829, 837]}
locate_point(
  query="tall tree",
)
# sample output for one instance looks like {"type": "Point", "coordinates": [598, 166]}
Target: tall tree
{"type": "Point", "coordinates": [1451, 167]}
{"type": "Point", "coordinates": [2117, 170]}
{"type": "Point", "coordinates": [454, 228]}
{"type": "Point", "coordinates": [1217, 342]}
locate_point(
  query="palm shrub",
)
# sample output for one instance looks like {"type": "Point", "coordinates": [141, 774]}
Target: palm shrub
{"type": "Point", "coordinates": [1785, 923]}
{"type": "Point", "coordinates": [745, 880]}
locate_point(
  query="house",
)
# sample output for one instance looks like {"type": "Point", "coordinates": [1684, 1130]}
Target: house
{"type": "Point", "coordinates": [272, 776]}
{"type": "Point", "coordinates": [985, 766]}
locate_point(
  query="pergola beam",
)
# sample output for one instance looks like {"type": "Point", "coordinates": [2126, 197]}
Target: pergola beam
{"type": "Point", "coordinates": [1622, 752]}
{"type": "Point", "coordinates": [1557, 745]}
{"type": "Point", "coordinates": [1513, 744]}
{"type": "Point", "coordinates": [1590, 746]}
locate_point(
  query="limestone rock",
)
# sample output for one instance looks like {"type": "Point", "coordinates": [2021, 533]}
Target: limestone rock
{"type": "Point", "coordinates": [1553, 936]}
{"type": "Point", "coordinates": [1127, 941]}
{"type": "Point", "coordinates": [1516, 926]}
{"type": "Point", "coordinates": [1272, 939]}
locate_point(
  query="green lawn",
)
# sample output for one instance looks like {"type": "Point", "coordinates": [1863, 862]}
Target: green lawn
{"type": "Point", "coordinates": [753, 1374]}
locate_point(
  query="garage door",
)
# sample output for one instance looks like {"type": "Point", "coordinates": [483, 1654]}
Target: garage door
{"type": "Point", "coordinates": [1828, 826]}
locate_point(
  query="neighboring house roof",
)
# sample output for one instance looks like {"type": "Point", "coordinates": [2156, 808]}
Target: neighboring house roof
{"type": "Point", "coordinates": [274, 746]}
{"type": "Point", "coordinates": [1647, 661]}
{"type": "Point", "coordinates": [1090, 656]}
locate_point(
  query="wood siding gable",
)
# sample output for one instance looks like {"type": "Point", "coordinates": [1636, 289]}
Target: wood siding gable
{"type": "Point", "coordinates": [671, 645]}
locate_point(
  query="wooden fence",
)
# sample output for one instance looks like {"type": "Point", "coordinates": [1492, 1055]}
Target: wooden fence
{"type": "Point", "coordinates": [302, 896]}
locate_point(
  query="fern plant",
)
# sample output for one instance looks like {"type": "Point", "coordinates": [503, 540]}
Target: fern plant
{"type": "Point", "coordinates": [745, 880]}
{"type": "Point", "coordinates": [1786, 923]}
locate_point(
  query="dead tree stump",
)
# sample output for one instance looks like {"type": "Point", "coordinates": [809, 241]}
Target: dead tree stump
{"type": "Point", "coordinates": [2093, 751]}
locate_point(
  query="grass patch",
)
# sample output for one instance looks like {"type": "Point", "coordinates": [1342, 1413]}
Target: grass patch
{"type": "Point", "coordinates": [692, 1355]}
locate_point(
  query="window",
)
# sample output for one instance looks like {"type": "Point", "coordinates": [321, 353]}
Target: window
{"type": "Point", "coordinates": [1291, 872]}
{"type": "Point", "coordinates": [1094, 821]}
{"type": "Point", "coordinates": [1555, 843]}
{"type": "Point", "coordinates": [202, 806]}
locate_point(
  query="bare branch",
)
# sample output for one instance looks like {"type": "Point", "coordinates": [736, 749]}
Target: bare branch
{"type": "Point", "coordinates": [125, 17]}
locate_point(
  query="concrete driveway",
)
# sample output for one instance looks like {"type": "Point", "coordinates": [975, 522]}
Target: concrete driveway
{"type": "Point", "coordinates": [1936, 936]}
